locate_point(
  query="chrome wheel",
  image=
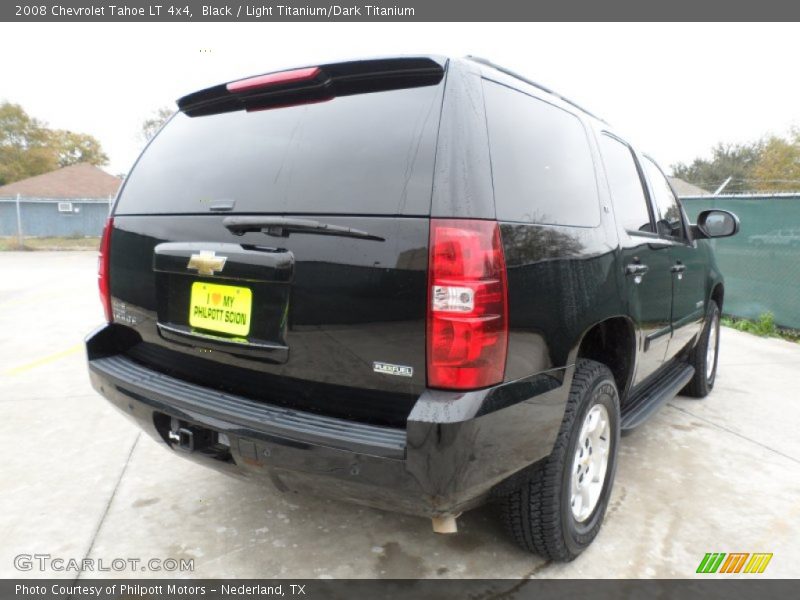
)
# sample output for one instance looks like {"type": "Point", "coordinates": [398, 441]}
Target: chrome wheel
{"type": "Point", "coordinates": [711, 347]}
{"type": "Point", "coordinates": [590, 463]}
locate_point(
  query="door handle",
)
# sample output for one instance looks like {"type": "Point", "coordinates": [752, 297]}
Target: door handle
{"type": "Point", "coordinates": [679, 268]}
{"type": "Point", "coordinates": [636, 269]}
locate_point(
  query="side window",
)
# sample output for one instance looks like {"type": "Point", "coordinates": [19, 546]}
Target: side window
{"type": "Point", "coordinates": [668, 219]}
{"type": "Point", "coordinates": [630, 201]}
{"type": "Point", "coordinates": [542, 166]}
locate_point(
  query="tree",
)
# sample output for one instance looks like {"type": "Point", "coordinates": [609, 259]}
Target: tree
{"type": "Point", "coordinates": [28, 147]}
{"type": "Point", "coordinates": [727, 160]}
{"type": "Point", "coordinates": [23, 145]}
{"type": "Point", "coordinates": [778, 168]}
{"type": "Point", "coordinates": [73, 148]}
{"type": "Point", "coordinates": [151, 125]}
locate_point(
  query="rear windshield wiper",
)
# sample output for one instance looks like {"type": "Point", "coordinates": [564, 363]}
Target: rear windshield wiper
{"type": "Point", "coordinates": [284, 226]}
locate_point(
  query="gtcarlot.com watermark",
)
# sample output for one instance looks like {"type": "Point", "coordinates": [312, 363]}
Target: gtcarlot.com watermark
{"type": "Point", "coordinates": [47, 562]}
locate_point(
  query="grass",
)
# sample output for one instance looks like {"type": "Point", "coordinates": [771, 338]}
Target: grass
{"type": "Point", "coordinates": [50, 243]}
{"type": "Point", "coordinates": [764, 326]}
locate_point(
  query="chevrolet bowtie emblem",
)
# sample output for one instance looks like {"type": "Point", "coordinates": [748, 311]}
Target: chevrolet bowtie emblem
{"type": "Point", "coordinates": [206, 263]}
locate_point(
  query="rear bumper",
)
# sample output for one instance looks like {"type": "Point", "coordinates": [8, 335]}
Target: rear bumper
{"type": "Point", "coordinates": [455, 449]}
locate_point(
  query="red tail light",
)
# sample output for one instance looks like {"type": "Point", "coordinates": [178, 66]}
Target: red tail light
{"type": "Point", "coordinates": [102, 269]}
{"type": "Point", "coordinates": [270, 79]}
{"type": "Point", "coordinates": [467, 305]}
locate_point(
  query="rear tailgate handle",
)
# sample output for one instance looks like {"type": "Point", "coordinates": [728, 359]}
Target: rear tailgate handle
{"type": "Point", "coordinates": [679, 268]}
{"type": "Point", "coordinates": [284, 226]}
{"type": "Point", "coordinates": [235, 261]}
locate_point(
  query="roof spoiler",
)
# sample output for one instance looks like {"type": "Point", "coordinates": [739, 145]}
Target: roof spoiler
{"type": "Point", "coordinates": [313, 84]}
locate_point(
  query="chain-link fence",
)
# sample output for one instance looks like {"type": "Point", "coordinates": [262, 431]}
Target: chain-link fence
{"type": "Point", "coordinates": [761, 264]}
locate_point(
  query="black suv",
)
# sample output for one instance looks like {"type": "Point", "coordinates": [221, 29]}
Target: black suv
{"type": "Point", "coordinates": [415, 283]}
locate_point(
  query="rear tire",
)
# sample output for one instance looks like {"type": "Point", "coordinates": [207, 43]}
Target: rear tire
{"type": "Point", "coordinates": [703, 361]}
{"type": "Point", "coordinates": [558, 511]}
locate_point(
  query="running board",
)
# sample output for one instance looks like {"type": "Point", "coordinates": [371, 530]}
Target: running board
{"type": "Point", "coordinates": [647, 401]}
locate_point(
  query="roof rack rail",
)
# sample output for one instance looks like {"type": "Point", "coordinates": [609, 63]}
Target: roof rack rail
{"type": "Point", "coordinates": [510, 73]}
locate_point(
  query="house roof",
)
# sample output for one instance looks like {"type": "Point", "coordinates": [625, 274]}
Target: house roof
{"type": "Point", "coordinates": [682, 188]}
{"type": "Point", "coordinates": [76, 181]}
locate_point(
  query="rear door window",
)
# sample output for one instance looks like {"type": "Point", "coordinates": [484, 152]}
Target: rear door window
{"type": "Point", "coordinates": [625, 183]}
{"type": "Point", "coordinates": [542, 165]}
{"type": "Point", "coordinates": [361, 154]}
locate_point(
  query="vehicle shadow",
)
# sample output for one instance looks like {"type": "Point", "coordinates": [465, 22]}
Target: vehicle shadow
{"type": "Point", "coordinates": [170, 507]}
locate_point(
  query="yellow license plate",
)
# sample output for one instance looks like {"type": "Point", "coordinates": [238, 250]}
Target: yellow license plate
{"type": "Point", "coordinates": [223, 308]}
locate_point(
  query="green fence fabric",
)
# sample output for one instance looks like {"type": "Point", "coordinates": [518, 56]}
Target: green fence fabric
{"type": "Point", "coordinates": [761, 264]}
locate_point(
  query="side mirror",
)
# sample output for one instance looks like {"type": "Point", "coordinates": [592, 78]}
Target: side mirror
{"type": "Point", "coordinates": [716, 223]}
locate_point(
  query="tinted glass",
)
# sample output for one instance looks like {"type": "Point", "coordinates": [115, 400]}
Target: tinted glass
{"type": "Point", "coordinates": [669, 212]}
{"type": "Point", "coordinates": [541, 163]}
{"type": "Point", "coordinates": [365, 154]}
{"type": "Point", "coordinates": [630, 201]}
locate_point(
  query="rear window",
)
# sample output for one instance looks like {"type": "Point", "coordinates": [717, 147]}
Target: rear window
{"type": "Point", "coordinates": [630, 201]}
{"type": "Point", "coordinates": [366, 154]}
{"type": "Point", "coordinates": [541, 161]}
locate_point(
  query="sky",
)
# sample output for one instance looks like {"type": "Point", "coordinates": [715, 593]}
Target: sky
{"type": "Point", "coordinates": [674, 90]}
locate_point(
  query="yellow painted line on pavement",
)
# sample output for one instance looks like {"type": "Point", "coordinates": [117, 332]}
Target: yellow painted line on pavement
{"type": "Point", "coordinates": [44, 360]}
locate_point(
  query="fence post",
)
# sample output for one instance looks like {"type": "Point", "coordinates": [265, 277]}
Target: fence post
{"type": "Point", "coordinates": [19, 225]}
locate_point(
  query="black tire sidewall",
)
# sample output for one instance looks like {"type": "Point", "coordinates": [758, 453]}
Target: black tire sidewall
{"type": "Point", "coordinates": [578, 536]}
{"type": "Point", "coordinates": [707, 383]}
{"type": "Point", "coordinates": [714, 321]}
